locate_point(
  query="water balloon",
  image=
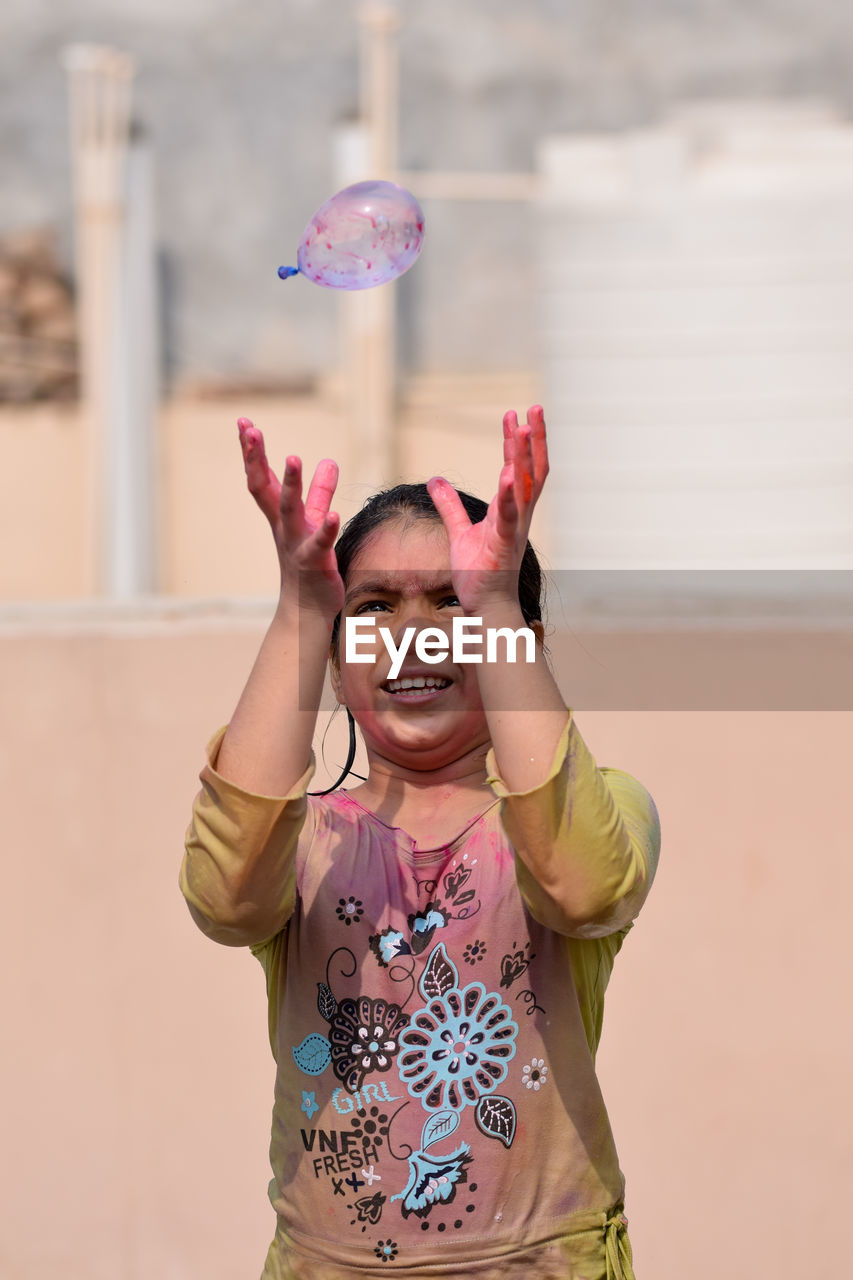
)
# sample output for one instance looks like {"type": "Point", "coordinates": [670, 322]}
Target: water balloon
{"type": "Point", "coordinates": [363, 236]}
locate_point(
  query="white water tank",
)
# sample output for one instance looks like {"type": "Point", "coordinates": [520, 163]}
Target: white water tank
{"type": "Point", "coordinates": [697, 293]}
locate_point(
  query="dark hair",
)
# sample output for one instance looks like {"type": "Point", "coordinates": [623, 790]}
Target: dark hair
{"type": "Point", "coordinates": [413, 502]}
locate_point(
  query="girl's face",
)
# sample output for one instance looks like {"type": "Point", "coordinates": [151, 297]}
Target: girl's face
{"type": "Point", "coordinates": [401, 578]}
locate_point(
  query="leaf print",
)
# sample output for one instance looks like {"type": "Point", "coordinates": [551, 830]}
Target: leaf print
{"type": "Point", "coordinates": [439, 1126]}
{"type": "Point", "coordinates": [313, 1055]}
{"type": "Point", "coordinates": [326, 1002]}
{"type": "Point", "coordinates": [496, 1118]}
{"type": "Point", "coordinates": [439, 975]}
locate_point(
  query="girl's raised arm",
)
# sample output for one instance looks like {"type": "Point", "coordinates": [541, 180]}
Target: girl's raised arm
{"type": "Point", "coordinates": [267, 745]}
{"type": "Point", "coordinates": [586, 848]}
{"type": "Point", "coordinates": [524, 707]}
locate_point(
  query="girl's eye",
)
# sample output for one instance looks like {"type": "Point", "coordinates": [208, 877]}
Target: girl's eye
{"type": "Point", "coordinates": [369, 606]}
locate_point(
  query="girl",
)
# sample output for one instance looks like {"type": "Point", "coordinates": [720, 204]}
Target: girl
{"type": "Point", "coordinates": [436, 941]}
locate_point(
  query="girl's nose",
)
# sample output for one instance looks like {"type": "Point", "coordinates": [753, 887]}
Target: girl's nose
{"type": "Point", "coordinates": [420, 620]}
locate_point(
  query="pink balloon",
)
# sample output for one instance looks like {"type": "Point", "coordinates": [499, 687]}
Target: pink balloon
{"type": "Point", "coordinates": [365, 235]}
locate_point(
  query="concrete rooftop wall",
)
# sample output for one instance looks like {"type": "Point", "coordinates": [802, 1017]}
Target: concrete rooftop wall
{"type": "Point", "coordinates": [137, 1078]}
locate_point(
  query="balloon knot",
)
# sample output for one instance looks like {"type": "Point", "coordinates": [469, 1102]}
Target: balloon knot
{"type": "Point", "coordinates": [286, 272]}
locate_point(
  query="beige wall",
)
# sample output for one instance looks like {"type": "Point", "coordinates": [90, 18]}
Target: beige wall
{"type": "Point", "coordinates": [136, 1070]}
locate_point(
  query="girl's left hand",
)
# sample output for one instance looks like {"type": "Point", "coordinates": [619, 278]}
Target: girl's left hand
{"type": "Point", "coordinates": [485, 557]}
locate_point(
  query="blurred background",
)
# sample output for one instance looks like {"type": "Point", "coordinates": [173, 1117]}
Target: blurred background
{"type": "Point", "coordinates": [640, 216]}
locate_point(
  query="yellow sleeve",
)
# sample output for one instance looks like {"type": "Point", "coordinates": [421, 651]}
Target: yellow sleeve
{"type": "Point", "coordinates": [586, 842]}
{"type": "Point", "coordinates": [238, 874]}
{"type": "Point", "coordinates": [592, 961]}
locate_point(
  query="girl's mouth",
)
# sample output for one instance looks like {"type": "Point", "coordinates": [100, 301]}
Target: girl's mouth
{"type": "Point", "coordinates": [412, 687]}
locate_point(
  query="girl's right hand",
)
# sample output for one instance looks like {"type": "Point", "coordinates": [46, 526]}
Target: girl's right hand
{"type": "Point", "coordinates": [304, 533]}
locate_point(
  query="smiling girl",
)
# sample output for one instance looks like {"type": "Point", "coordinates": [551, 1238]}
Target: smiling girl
{"type": "Point", "coordinates": [437, 941]}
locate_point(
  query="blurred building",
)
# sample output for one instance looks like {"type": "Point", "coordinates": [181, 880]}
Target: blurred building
{"type": "Point", "coordinates": [241, 104]}
{"type": "Point", "coordinates": [697, 332]}
{"type": "Point", "coordinates": [670, 280]}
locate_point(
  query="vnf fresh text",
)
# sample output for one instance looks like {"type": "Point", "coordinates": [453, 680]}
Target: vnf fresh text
{"type": "Point", "coordinates": [432, 645]}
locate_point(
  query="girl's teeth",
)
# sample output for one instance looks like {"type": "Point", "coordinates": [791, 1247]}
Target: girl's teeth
{"type": "Point", "coordinates": [416, 682]}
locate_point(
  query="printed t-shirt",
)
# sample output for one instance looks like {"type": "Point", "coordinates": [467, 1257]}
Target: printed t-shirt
{"type": "Point", "coordinates": [436, 1105]}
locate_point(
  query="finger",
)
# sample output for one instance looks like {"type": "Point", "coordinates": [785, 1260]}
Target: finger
{"type": "Point", "coordinates": [320, 541]}
{"type": "Point", "coordinates": [320, 492]}
{"type": "Point", "coordinates": [251, 439]}
{"type": "Point", "coordinates": [324, 536]}
{"type": "Point", "coordinates": [290, 505]}
{"type": "Point", "coordinates": [449, 506]}
{"type": "Point", "coordinates": [262, 482]}
{"type": "Point", "coordinates": [506, 505]}
{"type": "Point", "coordinates": [510, 428]}
{"type": "Point", "coordinates": [539, 441]}
{"type": "Point", "coordinates": [523, 468]}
